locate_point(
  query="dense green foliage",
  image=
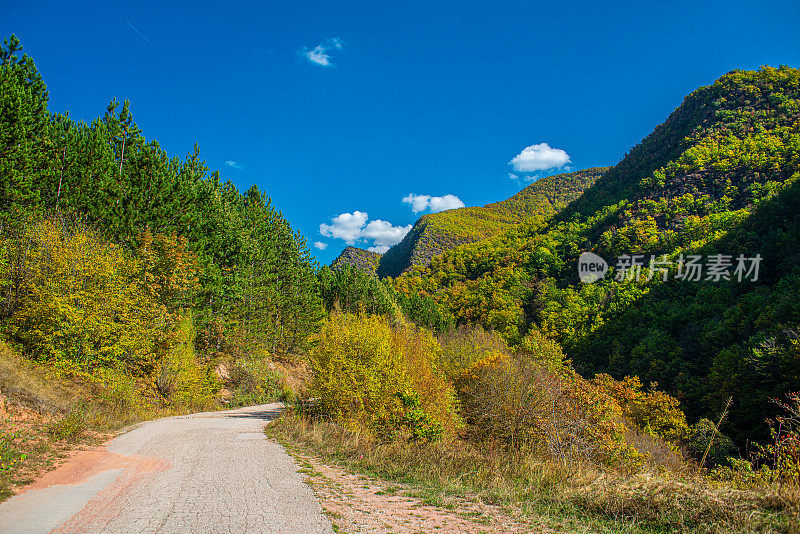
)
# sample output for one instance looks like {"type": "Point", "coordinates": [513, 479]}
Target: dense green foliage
{"type": "Point", "coordinates": [113, 252]}
{"type": "Point", "coordinates": [350, 289]}
{"type": "Point", "coordinates": [435, 233]}
{"type": "Point", "coordinates": [719, 176]}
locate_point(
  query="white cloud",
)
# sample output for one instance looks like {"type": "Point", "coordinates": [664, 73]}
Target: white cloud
{"type": "Point", "coordinates": [384, 233]}
{"type": "Point", "coordinates": [347, 226]}
{"type": "Point", "coordinates": [538, 158]}
{"type": "Point", "coordinates": [417, 202]}
{"type": "Point", "coordinates": [320, 54]}
{"type": "Point", "coordinates": [233, 164]}
{"type": "Point", "coordinates": [436, 204]}
{"type": "Point", "coordinates": [447, 202]}
{"type": "Point", "coordinates": [320, 245]}
{"type": "Point", "coordinates": [353, 227]}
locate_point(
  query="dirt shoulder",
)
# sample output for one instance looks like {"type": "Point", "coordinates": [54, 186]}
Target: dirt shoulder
{"type": "Point", "coordinates": [358, 503]}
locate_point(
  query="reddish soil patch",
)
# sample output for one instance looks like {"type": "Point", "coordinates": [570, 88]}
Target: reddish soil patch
{"type": "Point", "coordinates": [83, 465]}
{"type": "Point", "coordinates": [109, 503]}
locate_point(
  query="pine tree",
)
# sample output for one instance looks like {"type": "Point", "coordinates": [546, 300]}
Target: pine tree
{"type": "Point", "coordinates": [23, 119]}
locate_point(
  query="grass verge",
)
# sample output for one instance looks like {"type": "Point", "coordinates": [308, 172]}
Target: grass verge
{"type": "Point", "coordinates": [567, 498]}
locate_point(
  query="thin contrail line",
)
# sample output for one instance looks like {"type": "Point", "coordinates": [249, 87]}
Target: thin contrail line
{"type": "Point", "coordinates": [146, 40]}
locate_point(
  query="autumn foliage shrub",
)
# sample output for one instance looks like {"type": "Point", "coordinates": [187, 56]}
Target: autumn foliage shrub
{"type": "Point", "coordinates": [779, 459]}
{"type": "Point", "coordinates": [179, 377]}
{"type": "Point", "coordinates": [651, 411]}
{"type": "Point", "coordinates": [546, 412]}
{"type": "Point", "coordinates": [74, 299]}
{"type": "Point", "coordinates": [533, 402]}
{"type": "Point", "coordinates": [465, 345]}
{"type": "Point", "coordinates": [96, 311]}
{"type": "Point", "coordinates": [381, 377]}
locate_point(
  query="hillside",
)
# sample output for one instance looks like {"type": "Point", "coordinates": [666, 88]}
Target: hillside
{"type": "Point", "coordinates": [366, 260]}
{"type": "Point", "coordinates": [133, 283]}
{"type": "Point", "coordinates": [719, 176]}
{"type": "Point", "coordinates": [438, 232]}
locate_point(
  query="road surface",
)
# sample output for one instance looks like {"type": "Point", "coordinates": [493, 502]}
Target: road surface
{"type": "Point", "coordinates": [210, 472]}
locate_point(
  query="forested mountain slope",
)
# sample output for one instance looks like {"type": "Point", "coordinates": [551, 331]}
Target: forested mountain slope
{"type": "Point", "coordinates": [366, 260]}
{"type": "Point", "coordinates": [437, 232]}
{"type": "Point", "coordinates": [719, 176]}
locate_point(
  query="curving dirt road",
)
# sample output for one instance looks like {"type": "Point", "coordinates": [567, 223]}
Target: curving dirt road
{"type": "Point", "coordinates": [208, 472]}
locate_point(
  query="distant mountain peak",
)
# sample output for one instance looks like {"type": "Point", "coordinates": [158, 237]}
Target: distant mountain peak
{"type": "Point", "coordinates": [357, 257]}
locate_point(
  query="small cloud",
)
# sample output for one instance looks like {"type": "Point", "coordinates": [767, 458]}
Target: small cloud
{"type": "Point", "coordinates": [320, 245]}
{"type": "Point", "coordinates": [233, 164]}
{"type": "Point", "coordinates": [353, 227]}
{"type": "Point", "coordinates": [436, 204]}
{"type": "Point", "coordinates": [320, 54]}
{"type": "Point", "coordinates": [539, 158]}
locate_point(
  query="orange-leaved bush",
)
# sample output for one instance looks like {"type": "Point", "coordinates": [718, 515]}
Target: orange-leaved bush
{"type": "Point", "coordinates": [653, 411]}
{"type": "Point", "coordinates": [531, 402]}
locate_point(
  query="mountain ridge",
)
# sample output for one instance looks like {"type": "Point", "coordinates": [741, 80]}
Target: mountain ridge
{"type": "Point", "coordinates": [435, 233]}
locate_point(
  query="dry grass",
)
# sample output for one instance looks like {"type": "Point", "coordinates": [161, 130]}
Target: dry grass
{"type": "Point", "coordinates": [690, 504]}
{"type": "Point", "coordinates": [652, 500]}
{"type": "Point", "coordinates": [21, 381]}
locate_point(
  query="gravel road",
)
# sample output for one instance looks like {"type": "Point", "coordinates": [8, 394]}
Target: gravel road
{"type": "Point", "coordinates": [208, 472]}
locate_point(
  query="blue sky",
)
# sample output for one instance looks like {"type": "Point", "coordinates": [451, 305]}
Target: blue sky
{"type": "Point", "coordinates": [343, 109]}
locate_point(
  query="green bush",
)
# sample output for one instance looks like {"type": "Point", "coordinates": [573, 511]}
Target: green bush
{"type": "Point", "coordinates": [10, 454]}
{"type": "Point", "coordinates": [722, 447]}
{"type": "Point", "coordinates": [69, 427]}
{"type": "Point", "coordinates": [255, 382]}
{"type": "Point", "coordinates": [414, 418]}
